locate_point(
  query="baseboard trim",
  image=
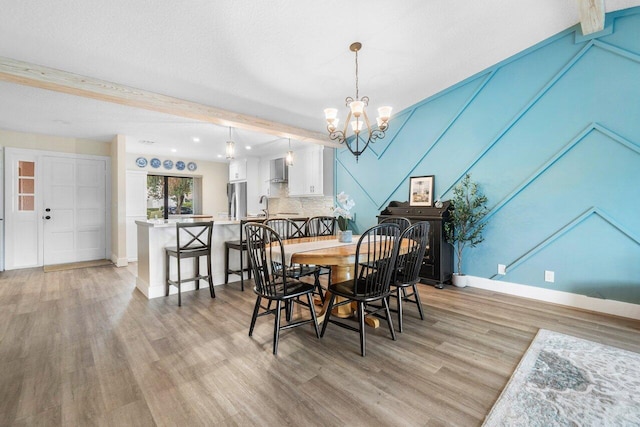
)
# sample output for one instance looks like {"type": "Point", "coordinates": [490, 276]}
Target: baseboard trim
{"type": "Point", "coordinates": [119, 262]}
{"type": "Point", "coordinates": [616, 308]}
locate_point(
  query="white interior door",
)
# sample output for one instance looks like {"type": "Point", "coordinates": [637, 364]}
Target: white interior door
{"type": "Point", "coordinates": [74, 209]}
{"type": "Point", "coordinates": [21, 210]}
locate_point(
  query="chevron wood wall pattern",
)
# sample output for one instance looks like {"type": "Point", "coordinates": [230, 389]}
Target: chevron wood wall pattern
{"type": "Point", "coordinates": [553, 137]}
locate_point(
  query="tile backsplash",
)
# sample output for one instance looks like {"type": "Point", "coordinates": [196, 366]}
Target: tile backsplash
{"type": "Point", "coordinates": [306, 206]}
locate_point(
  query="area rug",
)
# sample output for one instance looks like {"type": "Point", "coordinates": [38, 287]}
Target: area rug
{"type": "Point", "coordinates": [567, 381]}
{"type": "Point", "coordinates": [74, 265]}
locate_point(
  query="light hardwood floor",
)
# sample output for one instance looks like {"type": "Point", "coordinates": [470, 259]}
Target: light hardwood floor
{"type": "Point", "coordinates": [84, 347]}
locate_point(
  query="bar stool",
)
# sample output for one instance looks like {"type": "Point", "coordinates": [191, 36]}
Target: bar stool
{"type": "Point", "coordinates": [193, 240]}
{"type": "Point", "coordinates": [238, 245]}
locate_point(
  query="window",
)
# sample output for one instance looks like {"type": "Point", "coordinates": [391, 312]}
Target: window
{"type": "Point", "coordinates": [26, 186]}
{"type": "Point", "coordinates": [171, 195]}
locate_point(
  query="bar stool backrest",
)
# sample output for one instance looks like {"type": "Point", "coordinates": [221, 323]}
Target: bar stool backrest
{"type": "Point", "coordinates": [193, 236]}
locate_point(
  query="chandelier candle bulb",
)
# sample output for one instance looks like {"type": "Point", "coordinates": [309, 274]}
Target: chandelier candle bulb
{"type": "Point", "coordinates": [357, 107]}
{"type": "Point", "coordinates": [384, 113]}
{"type": "Point", "coordinates": [330, 114]}
{"type": "Point", "coordinates": [356, 126]}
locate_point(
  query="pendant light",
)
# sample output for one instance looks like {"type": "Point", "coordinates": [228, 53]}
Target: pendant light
{"type": "Point", "coordinates": [289, 158]}
{"type": "Point", "coordinates": [231, 147]}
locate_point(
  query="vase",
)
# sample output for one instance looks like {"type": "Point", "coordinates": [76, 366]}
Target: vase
{"type": "Point", "coordinates": [345, 236]}
{"type": "Point", "coordinates": [459, 280]}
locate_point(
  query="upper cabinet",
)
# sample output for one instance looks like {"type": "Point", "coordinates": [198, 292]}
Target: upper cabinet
{"type": "Point", "coordinates": [312, 172]}
{"type": "Point", "coordinates": [238, 170]}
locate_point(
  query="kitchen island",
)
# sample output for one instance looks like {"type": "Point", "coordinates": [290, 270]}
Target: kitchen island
{"type": "Point", "coordinates": [155, 235]}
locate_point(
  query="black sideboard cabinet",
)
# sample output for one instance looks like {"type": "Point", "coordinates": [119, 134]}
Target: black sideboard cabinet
{"type": "Point", "coordinates": [437, 266]}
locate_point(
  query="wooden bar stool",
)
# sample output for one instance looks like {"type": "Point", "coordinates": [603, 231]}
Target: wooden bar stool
{"type": "Point", "coordinates": [238, 245]}
{"type": "Point", "coordinates": [193, 240]}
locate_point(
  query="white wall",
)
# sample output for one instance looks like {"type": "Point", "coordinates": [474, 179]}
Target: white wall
{"type": "Point", "coordinates": [214, 179]}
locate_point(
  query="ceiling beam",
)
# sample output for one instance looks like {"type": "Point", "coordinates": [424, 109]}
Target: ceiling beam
{"type": "Point", "coordinates": [591, 16]}
{"type": "Point", "coordinates": [61, 81]}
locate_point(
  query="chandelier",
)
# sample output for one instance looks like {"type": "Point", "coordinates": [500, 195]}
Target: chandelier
{"type": "Point", "coordinates": [357, 111]}
{"type": "Point", "coordinates": [230, 149]}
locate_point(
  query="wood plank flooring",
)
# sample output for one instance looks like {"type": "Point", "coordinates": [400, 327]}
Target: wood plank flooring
{"type": "Point", "coordinates": [84, 347]}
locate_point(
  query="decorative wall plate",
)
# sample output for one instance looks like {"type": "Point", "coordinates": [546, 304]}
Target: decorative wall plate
{"type": "Point", "coordinates": [180, 165]}
{"type": "Point", "coordinates": [192, 166]}
{"type": "Point", "coordinates": [141, 162]}
{"type": "Point", "coordinates": [155, 163]}
{"type": "Point", "coordinates": [168, 164]}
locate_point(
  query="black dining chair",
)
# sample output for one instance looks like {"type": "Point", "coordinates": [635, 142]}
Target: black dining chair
{"type": "Point", "coordinates": [400, 221]}
{"type": "Point", "coordinates": [321, 226]}
{"type": "Point", "coordinates": [193, 240]}
{"type": "Point", "coordinates": [407, 272]}
{"type": "Point", "coordinates": [375, 260]}
{"type": "Point", "coordinates": [265, 250]}
{"type": "Point", "coordinates": [287, 229]}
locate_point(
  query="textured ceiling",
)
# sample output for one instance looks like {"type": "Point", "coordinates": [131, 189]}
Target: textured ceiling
{"type": "Point", "coordinates": [280, 60]}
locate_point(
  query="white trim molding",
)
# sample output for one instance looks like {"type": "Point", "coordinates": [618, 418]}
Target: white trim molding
{"type": "Point", "coordinates": [616, 308]}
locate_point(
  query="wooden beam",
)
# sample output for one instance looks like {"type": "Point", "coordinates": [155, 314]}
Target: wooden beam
{"type": "Point", "coordinates": [591, 16]}
{"type": "Point", "coordinates": [61, 81]}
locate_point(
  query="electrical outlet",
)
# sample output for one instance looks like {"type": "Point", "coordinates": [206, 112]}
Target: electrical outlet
{"type": "Point", "coordinates": [549, 276]}
{"type": "Point", "coordinates": [502, 269]}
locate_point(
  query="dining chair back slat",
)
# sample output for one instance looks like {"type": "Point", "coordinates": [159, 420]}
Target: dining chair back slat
{"type": "Point", "coordinates": [285, 228]}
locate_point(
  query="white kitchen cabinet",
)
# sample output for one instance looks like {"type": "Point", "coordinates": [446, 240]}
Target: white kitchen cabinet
{"type": "Point", "coordinates": [312, 172]}
{"type": "Point", "coordinates": [238, 170]}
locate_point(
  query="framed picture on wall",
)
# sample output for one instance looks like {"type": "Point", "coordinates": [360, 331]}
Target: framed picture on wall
{"type": "Point", "coordinates": [421, 191]}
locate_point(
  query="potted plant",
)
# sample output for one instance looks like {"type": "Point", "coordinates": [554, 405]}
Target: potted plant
{"type": "Point", "coordinates": [465, 225]}
{"type": "Point", "coordinates": [343, 212]}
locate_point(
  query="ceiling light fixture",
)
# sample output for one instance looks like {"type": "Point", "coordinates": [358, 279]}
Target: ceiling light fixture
{"type": "Point", "coordinates": [289, 158]}
{"type": "Point", "coordinates": [230, 151]}
{"type": "Point", "coordinates": [357, 111]}
{"type": "Point", "coordinates": [196, 139]}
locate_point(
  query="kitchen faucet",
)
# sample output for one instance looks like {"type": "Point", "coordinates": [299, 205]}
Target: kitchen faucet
{"type": "Point", "coordinates": [265, 199]}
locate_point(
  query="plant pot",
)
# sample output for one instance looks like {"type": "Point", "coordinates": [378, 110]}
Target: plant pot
{"type": "Point", "coordinates": [345, 236]}
{"type": "Point", "coordinates": [459, 280]}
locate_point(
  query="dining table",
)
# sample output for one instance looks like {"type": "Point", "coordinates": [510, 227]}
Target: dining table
{"type": "Point", "coordinates": [329, 251]}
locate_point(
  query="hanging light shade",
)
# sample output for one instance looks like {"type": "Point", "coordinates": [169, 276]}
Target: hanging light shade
{"type": "Point", "coordinates": [289, 158]}
{"type": "Point", "coordinates": [230, 150]}
{"type": "Point", "coordinates": [357, 119]}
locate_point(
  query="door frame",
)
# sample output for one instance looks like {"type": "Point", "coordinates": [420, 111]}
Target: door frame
{"type": "Point", "coordinates": [9, 193]}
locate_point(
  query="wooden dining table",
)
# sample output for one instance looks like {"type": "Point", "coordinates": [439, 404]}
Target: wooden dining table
{"type": "Point", "coordinates": [328, 251]}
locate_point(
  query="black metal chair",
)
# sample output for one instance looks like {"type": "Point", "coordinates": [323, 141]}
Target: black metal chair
{"type": "Point", "coordinates": [241, 246]}
{"type": "Point", "coordinates": [321, 226]}
{"type": "Point", "coordinates": [416, 239]}
{"type": "Point", "coordinates": [265, 249]}
{"type": "Point", "coordinates": [287, 229]}
{"type": "Point", "coordinates": [400, 221]}
{"type": "Point", "coordinates": [375, 261]}
{"type": "Point", "coordinates": [193, 240]}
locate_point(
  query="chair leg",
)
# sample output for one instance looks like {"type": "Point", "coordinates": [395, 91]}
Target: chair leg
{"type": "Point", "coordinates": [313, 314]}
{"type": "Point", "coordinates": [418, 302]}
{"type": "Point", "coordinates": [196, 269]}
{"type": "Point", "coordinates": [255, 315]}
{"type": "Point", "coordinates": [210, 272]}
{"type": "Point", "coordinates": [288, 310]}
{"type": "Point", "coordinates": [361, 324]}
{"type": "Point", "coordinates": [276, 327]}
{"type": "Point", "coordinates": [241, 268]}
{"type": "Point", "coordinates": [179, 284]}
{"type": "Point", "coordinates": [226, 264]}
{"type": "Point", "coordinates": [317, 285]}
{"type": "Point", "coordinates": [327, 315]}
{"type": "Point", "coordinates": [386, 308]}
{"type": "Point", "coordinates": [167, 259]}
{"type": "Point", "coordinates": [398, 290]}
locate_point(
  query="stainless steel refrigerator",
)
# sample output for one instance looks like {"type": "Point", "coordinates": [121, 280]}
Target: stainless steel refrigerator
{"type": "Point", "coordinates": [237, 196]}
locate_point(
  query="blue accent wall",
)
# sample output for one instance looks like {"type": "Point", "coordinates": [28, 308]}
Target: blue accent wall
{"type": "Point", "coordinates": [552, 135]}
